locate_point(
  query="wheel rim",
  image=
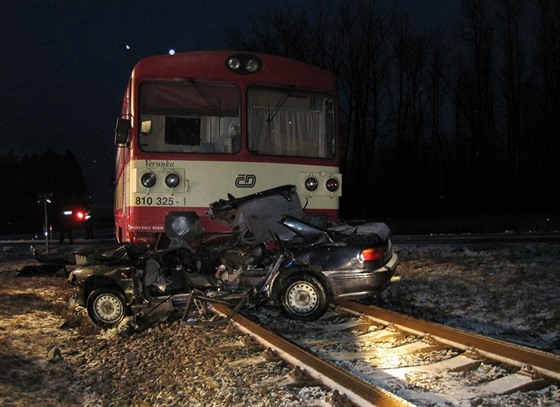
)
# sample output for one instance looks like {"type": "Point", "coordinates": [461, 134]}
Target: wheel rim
{"type": "Point", "coordinates": [108, 308]}
{"type": "Point", "coordinates": [302, 298]}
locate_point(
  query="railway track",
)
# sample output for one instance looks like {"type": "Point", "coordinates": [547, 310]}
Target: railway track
{"type": "Point", "coordinates": [382, 358]}
{"type": "Point", "coordinates": [389, 359]}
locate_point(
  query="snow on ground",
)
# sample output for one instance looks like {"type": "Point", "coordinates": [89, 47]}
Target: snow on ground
{"type": "Point", "coordinates": [508, 291]}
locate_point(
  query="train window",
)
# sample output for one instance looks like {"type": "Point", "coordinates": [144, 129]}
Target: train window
{"type": "Point", "coordinates": [285, 122]}
{"type": "Point", "coordinates": [182, 131]}
{"type": "Point", "coordinates": [189, 117]}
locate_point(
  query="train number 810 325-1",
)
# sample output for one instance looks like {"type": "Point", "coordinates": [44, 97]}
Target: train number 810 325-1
{"type": "Point", "coordinates": [154, 201]}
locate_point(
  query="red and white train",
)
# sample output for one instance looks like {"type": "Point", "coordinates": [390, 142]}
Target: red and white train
{"type": "Point", "coordinates": [196, 126]}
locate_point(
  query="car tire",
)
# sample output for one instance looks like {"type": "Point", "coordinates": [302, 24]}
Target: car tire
{"type": "Point", "coordinates": [106, 307]}
{"type": "Point", "coordinates": [303, 297]}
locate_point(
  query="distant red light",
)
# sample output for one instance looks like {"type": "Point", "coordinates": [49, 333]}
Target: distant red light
{"type": "Point", "coordinates": [80, 215]}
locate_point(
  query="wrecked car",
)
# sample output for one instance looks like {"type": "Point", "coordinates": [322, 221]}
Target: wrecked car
{"type": "Point", "coordinates": [275, 254]}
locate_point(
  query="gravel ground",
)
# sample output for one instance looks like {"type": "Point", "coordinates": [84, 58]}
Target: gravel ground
{"type": "Point", "coordinates": [53, 356]}
{"type": "Point", "coordinates": [509, 292]}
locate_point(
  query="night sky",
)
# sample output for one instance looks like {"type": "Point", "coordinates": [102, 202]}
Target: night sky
{"type": "Point", "coordinates": [65, 65]}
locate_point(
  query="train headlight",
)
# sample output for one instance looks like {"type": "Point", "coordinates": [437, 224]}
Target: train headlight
{"type": "Point", "coordinates": [252, 65]}
{"type": "Point", "coordinates": [148, 179]}
{"type": "Point", "coordinates": [244, 64]}
{"type": "Point", "coordinates": [311, 184]}
{"type": "Point", "coordinates": [172, 180]}
{"type": "Point", "coordinates": [234, 64]}
{"type": "Point", "coordinates": [332, 185]}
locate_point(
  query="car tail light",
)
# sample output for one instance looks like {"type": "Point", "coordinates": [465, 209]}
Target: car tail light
{"type": "Point", "coordinates": [371, 254]}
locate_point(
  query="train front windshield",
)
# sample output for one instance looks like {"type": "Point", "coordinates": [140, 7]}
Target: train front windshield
{"type": "Point", "coordinates": [189, 117]}
{"type": "Point", "coordinates": [195, 117]}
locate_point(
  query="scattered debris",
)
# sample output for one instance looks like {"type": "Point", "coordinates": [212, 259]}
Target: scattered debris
{"type": "Point", "coordinates": [54, 354]}
{"type": "Point", "coordinates": [39, 270]}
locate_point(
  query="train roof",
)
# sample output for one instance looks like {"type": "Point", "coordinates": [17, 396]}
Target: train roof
{"type": "Point", "coordinates": [212, 65]}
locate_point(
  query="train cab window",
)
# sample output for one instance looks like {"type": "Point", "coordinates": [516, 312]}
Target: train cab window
{"type": "Point", "coordinates": [285, 122]}
{"type": "Point", "coordinates": [189, 117]}
{"type": "Point", "coordinates": [182, 131]}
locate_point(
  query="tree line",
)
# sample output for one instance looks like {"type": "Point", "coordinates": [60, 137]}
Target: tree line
{"type": "Point", "coordinates": [31, 179]}
{"type": "Point", "coordinates": [432, 123]}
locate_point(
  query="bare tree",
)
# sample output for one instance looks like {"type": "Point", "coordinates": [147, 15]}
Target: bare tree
{"type": "Point", "coordinates": [474, 120]}
{"type": "Point", "coordinates": [363, 81]}
{"type": "Point", "coordinates": [408, 102]}
{"type": "Point", "coordinates": [548, 64]}
{"type": "Point", "coordinates": [438, 66]}
{"type": "Point", "coordinates": [279, 33]}
{"type": "Point", "coordinates": [352, 41]}
{"type": "Point", "coordinates": [514, 93]}
{"type": "Point", "coordinates": [477, 98]}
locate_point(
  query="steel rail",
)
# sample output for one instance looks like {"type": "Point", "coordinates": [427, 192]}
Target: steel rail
{"type": "Point", "coordinates": [357, 390]}
{"type": "Point", "coordinates": [546, 364]}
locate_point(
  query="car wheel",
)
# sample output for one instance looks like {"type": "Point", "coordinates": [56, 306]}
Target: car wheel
{"type": "Point", "coordinates": [303, 297]}
{"type": "Point", "coordinates": [106, 307]}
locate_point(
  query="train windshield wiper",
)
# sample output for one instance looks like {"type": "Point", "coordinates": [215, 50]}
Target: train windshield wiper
{"type": "Point", "coordinates": [279, 105]}
{"type": "Point", "coordinates": [213, 107]}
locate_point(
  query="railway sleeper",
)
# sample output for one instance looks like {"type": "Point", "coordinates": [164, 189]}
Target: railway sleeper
{"type": "Point", "coordinates": [516, 382]}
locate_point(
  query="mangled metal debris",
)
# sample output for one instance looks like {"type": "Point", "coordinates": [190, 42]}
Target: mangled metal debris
{"type": "Point", "coordinates": [276, 254]}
